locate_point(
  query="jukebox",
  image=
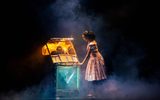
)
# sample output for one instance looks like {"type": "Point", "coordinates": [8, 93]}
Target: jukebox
{"type": "Point", "coordinates": [64, 57]}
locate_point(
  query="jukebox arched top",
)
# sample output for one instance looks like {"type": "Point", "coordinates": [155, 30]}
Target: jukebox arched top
{"type": "Point", "coordinates": [61, 50]}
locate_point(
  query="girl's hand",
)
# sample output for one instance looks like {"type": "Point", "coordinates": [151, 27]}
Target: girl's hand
{"type": "Point", "coordinates": [80, 64]}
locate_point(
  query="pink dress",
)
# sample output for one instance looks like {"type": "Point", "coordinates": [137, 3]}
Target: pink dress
{"type": "Point", "coordinates": [95, 69]}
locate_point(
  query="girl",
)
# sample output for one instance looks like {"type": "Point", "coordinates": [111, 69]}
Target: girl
{"type": "Point", "coordinates": [95, 70]}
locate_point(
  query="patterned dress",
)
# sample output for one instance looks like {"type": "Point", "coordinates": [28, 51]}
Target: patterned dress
{"type": "Point", "coordinates": [95, 69]}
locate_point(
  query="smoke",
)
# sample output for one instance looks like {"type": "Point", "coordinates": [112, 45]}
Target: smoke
{"type": "Point", "coordinates": [116, 88]}
{"type": "Point", "coordinates": [45, 90]}
{"type": "Point", "coordinates": [113, 88]}
{"type": "Point", "coordinates": [65, 18]}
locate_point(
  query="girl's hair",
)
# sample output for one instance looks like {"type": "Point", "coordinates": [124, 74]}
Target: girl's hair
{"type": "Point", "coordinates": [89, 35]}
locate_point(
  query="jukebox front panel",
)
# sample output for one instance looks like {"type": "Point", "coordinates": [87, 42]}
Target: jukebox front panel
{"type": "Point", "coordinates": [64, 57]}
{"type": "Point", "coordinates": [67, 77]}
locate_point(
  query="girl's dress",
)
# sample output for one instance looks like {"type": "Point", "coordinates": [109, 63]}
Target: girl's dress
{"type": "Point", "coordinates": [95, 69]}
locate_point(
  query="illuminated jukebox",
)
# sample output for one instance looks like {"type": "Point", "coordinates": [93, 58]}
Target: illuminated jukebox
{"type": "Point", "coordinates": [64, 57]}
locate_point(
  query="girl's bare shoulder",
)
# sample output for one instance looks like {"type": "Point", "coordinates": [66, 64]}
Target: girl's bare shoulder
{"type": "Point", "coordinates": [92, 43]}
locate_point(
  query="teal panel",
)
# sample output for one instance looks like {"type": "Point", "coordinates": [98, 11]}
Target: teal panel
{"type": "Point", "coordinates": [67, 77]}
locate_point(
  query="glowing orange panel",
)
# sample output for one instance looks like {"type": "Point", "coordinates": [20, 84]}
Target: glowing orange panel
{"type": "Point", "coordinates": [60, 49]}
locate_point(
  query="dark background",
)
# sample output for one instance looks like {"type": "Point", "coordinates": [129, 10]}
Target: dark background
{"type": "Point", "coordinates": [22, 35]}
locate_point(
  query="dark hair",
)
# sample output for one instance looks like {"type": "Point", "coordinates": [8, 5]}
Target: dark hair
{"type": "Point", "coordinates": [89, 35]}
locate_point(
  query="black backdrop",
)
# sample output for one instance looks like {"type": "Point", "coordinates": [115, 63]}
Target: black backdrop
{"type": "Point", "coordinates": [22, 34]}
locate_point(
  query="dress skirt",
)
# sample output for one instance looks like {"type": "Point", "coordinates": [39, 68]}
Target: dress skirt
{"type": "Point", "coordinates": [95, 69]}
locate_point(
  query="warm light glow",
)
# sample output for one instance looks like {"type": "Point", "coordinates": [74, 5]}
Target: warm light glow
{"type": "Point", "coordinates": [65, 43]}
{"type": "Point", "coordinates": [61, 50]}
{"type": "Point", "coordinates": [64, 46]}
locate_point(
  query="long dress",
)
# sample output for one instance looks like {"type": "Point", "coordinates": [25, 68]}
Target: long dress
{"type": "Point", "coordinates": [95, 69]}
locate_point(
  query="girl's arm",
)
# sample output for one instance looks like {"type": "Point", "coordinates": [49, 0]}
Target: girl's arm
{"type": "Point", "coordinates": [87, 55]}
